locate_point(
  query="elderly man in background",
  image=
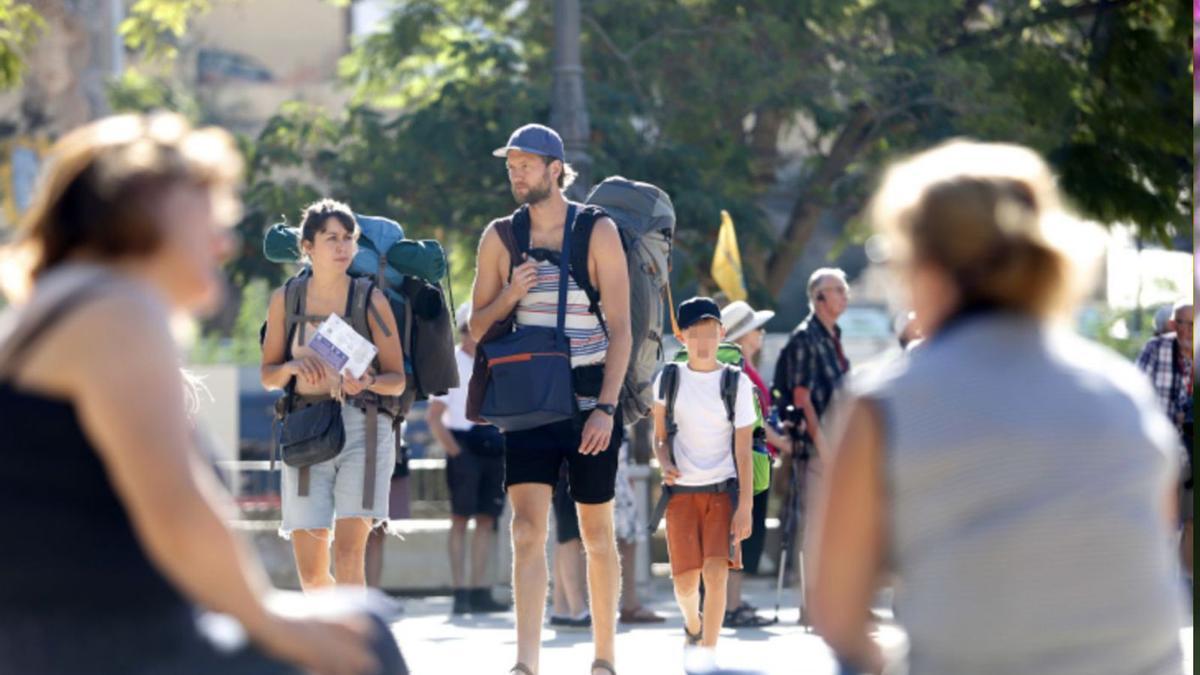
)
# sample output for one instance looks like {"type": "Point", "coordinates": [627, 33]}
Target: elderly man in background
{"type": "Point", "coordinates": [1167, 360]}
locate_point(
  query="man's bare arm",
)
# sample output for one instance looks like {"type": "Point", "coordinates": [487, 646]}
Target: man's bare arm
{"type": "Point", "coordinates": [489, 301]}
{"type": "Point", "coordinates": [612, 278]}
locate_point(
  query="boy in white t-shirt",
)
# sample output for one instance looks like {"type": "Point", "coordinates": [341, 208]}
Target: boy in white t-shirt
{"type": "Point", "coordinates": [706, 520]}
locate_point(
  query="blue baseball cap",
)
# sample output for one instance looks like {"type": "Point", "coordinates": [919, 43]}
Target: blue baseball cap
{"type": "Point", "coordinates": [535, 138]}
{"type": "Point", "coordinates": [695, 310]}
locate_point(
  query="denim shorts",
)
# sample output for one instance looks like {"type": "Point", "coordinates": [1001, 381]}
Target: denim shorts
{"type": "Point", "coordinates": [335, 487]}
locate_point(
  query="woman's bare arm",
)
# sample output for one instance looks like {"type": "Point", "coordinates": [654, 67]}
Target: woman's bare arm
{"type": "Point", "coordinates": [274, 371]}
{"type": "Point", "coordinates": [127, 388]}
{"type": "Point", "coordinates": [491, 298]}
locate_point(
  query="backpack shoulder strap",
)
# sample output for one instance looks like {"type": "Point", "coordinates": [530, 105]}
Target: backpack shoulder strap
{"type": "Point", "coordinates": [520, 235]}
{"type": "Point", "coordinates": [506, 228]}
{"type": "Point", "coordinates": [361, 306]}
{"type": "Point", "coordinates": [730, 379]}
{"type": "Point", "coordinates": [25, 337]}
{"type": "Point", "coordinates": [668, 390]}
{"type": "Point", "coordinates": [581, 242]}
{"type": "Point", "coordinates": [295, 292]}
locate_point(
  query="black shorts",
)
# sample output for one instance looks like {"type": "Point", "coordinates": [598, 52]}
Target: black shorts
{"type": "Point", "coordinates": [536, 456]}
{"type": "Point", "coordinates": [566, 519]}
{"type": "Point", "coordinates": [476, 482]}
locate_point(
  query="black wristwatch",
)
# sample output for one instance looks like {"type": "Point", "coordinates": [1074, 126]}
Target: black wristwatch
{"type": "Point", "coordinates": [607, 408]}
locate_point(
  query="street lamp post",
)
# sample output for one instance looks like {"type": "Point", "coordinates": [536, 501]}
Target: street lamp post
{"type": "Point", "coordinates": [568, 108]}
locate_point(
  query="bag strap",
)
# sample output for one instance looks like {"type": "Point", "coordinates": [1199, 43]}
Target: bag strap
{"type": "Point", "coordinates": [380, 283]}
{"type": "Point", "coordinates": [372, 444]}
{"type": "Point", "coordinates": [361, 306]}
{"type": "Point", "coordinates": [519, 227]}
{"type": "Point", "coordinates": [730, 379]}
{"type": "Point", "coordinates": [506, 229]}
{"type": "Point", "coordinates": [20, 345]}
{"type": "Point", "coordinates": [668, 389]}
{"type": "Point", "coordinates": [564, 268]}
{"type": "Point", "coordinates": [581, 241]}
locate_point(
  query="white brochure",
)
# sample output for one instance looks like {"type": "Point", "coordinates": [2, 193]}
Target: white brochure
{"type": "Point", "coordinates": [342, 347]}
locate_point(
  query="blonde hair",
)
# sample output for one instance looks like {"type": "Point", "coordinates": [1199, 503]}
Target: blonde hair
{"type": "Point", "coordinates": [103, 181]}
{"type": "Point", "coordinates": [991, 217]}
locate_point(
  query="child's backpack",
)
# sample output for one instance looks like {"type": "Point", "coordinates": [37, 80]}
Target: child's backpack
{"type": "Point", "coordinates": [730, 354]}
{"type": "Point", "coordinates": [409, 274]}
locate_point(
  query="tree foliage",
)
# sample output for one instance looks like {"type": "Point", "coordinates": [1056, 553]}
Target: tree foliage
{"type": "Point", "coordinates": [154, 27]}
{"type": "Point", "coordinates": [20, 25]}
{"type": "Point", "coordinates": [796, 105]}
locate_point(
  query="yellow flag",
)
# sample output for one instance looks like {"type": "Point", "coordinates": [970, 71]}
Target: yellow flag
{"type": "Point", "coordinates": [727, 261]}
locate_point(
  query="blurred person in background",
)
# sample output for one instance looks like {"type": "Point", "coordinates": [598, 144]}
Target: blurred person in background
{"type": "Point", "coordinates": [745, 327]}
{"type": "Point", "coordinates": [1167, 361]}
{"type": "Point", "coordinates": [569, 609]}
{"type": "Point", "coordinates": [118, 558]}
{"type": "Point", "coordinates": [1018, 478]}
{"type": "Point", "coordinates": [628, 527]}
{"type": "Point", "coordinates": [810, 369]}
{"type": "Point", "coordinates": [909, 332]}
{"type": "Point", "coordinates": [399, 508]}
{"type": "Point", "coordinates": [475, 476]}
{"type": "Point", "coordinates": [1163, 323]}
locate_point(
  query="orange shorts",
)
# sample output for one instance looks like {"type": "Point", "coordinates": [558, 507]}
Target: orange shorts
{"type": "Point", "coordinates": [699, 526]}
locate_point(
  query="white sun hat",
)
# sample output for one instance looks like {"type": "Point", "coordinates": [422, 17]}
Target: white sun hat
{"type": "Point", "coordinates": [739, 318]}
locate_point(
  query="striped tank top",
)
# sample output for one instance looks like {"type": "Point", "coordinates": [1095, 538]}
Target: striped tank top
{"type": "Point", "coordinates": [539, 307]}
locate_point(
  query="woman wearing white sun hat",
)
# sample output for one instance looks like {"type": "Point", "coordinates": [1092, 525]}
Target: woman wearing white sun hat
{"type": "Point", "coordinates": [745, 327]}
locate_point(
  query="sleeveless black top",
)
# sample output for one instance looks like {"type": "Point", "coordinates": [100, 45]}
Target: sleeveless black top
{"type": "Point", "coordinates": [68, 543]}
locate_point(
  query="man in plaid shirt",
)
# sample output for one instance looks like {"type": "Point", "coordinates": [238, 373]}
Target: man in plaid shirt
{"type": "Point", "coordinates": [1167, 359]}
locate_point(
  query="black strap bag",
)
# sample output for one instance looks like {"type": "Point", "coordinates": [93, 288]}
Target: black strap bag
{"type": "Point", "coordinates": [312, 435]}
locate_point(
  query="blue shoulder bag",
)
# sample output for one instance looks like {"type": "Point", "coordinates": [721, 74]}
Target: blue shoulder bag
{"type": "Point", "coordinates": [529, 381]}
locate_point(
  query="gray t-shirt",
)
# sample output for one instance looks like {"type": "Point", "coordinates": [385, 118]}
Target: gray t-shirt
{"type": "Point", "coordinates": [1027, 471]}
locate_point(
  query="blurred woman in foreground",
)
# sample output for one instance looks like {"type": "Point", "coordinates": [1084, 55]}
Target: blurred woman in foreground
{"type": "Point", "coordinates": [115, 532]}
{"type": "Point", "coordinates": [1017, 478]}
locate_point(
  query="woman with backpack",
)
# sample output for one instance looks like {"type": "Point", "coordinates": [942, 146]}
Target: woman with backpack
{"type": "Point", "coordinates": [116, 551]}
{"type": "Point", "coordinates": [745, 327]}
{"type": "Point", "coordinates": [332, 497]}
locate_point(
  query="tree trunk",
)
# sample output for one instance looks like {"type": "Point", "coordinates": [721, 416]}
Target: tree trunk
{"type": "Point", "coordinates": [814, 197]}
{"type": "Point", "coordinates": [764, 146]}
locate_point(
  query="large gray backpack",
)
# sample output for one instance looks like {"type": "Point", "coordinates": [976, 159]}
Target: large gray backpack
{"type": "Point", "coordinates": [645, 218]}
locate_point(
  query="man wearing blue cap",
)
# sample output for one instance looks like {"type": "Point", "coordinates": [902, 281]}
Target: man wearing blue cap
{"type": "Point", "coordinates": [517, 275]}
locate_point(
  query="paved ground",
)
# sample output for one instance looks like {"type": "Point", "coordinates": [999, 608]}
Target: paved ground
{"type": "Point", "coordinates": [433, 642]}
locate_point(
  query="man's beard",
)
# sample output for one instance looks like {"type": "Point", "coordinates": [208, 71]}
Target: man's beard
{"type": "Point", "coordinates": [535, 195]}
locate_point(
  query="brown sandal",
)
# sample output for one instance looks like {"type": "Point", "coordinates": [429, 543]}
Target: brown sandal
{"type": "Point", "coordinates": [601, 663]}
{"type": "Point", "coordinates": [640, 614]}
{"type": "Point", "coordinates": [690, 639]}
{"type": "Point", "coordinates": [520, 669]}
